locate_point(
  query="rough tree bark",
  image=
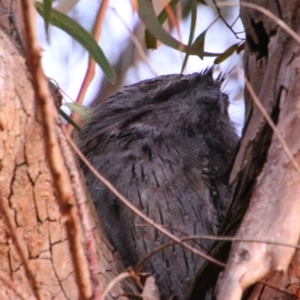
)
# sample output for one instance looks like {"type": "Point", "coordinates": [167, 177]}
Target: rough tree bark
{"type": "Point", "coordinates": [266, 184]}
{"type": "Point", "coordinates": [263, 171]}
{"type": "Point", "coordinates": [26, 189]}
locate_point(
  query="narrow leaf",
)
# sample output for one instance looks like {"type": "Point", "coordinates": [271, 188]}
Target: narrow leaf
{"type": "Point", "coordinates": [82, 37]}
{"type": "Point", "coordinates": [147, 15]}
{"type": "Point", "coordinates": [228, 52]}
{"type": "Point", "coordinates": [199, 43]}
{"type": "Point", "coordinates": [68, 119]}
{"type": "Point", "coordinates": [79, 109]}
{"type": "Point", "coordinates": [47, 9]}
{"type": "Point", "coordinates": [150, 40]}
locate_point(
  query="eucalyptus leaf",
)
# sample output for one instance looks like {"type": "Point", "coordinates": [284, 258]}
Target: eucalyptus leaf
{"type": "Point", "coordinates": [147, 15]}
{"type": "Point", "coordinates": [228, 52]}
{"type": "Point", "coordinates": [68, 119]}
{"type": "Point", "coordinates": [76, 31]}
{"type": "Point", "coordinates": [150, 40]}
{"type": "Point", "coordinates": [79, 109]}
{"type": "Point", "coordinates": [47, 10]}
{"type": "Point", "coordinates": [199, 42]}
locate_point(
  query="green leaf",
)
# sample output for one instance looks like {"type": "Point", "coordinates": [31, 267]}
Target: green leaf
{"type": "Point", "coordinates": [82, 37]}
{"type": "Point", "coordinates": [79, 109]}
{"type": "Point", "coordinates": [47, 9]}
{"type": "Point", "coordinates": [202, 2]}
{"type": "Point", "coordinates": [150, 40]}
{"type": "Point", "coordinates": [68, 119]}
{"type": "Point", "coordinates": [228, 52]}
{"type": "Point", "coordinates": [199, 42]}
{"type": "Point", "coordinates": [147, 15]}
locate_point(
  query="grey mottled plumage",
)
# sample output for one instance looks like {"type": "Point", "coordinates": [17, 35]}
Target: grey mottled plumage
{"type": "Point", "coordinates": [167, 145]}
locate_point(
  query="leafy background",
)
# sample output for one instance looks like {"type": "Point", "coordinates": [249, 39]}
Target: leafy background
{"type": "Point", "coordinates": [65, 60]}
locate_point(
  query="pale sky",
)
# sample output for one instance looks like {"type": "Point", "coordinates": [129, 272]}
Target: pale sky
{"type": "Point", "coordinates": [66, 61]}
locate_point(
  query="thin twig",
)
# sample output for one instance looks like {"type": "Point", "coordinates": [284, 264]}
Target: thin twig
{"type": "Point", "coordinates": [276, 288]}
{"type": "Point", "coordinates": [233, 23]}
{"type": "Point", "coordinates": [16, 289]}
{"type": "Point", "coordinates": [137, 211]}
{"type": "Point", "coordinates": [137, 43]}
{"type": "Point", "coordinates": [263, 10]}
{"type": "Point", "coordinates": [269, 121]}
{"type": "Point", "coordinates": [142, 262]}
{"type": "Point", "coordinates": [20, 248]}
{"type": "Point", "coordinates": [61, 178]}
{"type": "Point", "coordinates": [225, 22]}
{"type": "Point", "coordinates": [90, 72]}
{"type": "Point", "coordinates": [115, 281]}
{"type": "Point", "coordinates": [80, 197]}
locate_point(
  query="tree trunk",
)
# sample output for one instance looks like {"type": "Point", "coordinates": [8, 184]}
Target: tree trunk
{"type": "Point", "coordinates": [29, 207]}
{"type": "Point", "coordinates": [266, 183]}
{"type": "Point", "coordinates": [272, 67]}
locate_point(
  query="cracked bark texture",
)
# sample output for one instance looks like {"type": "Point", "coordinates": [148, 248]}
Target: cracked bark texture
{"type": "Point", "coordinates": [262, 171]}
{"type": "Point", "coordinates": [26, 185]}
